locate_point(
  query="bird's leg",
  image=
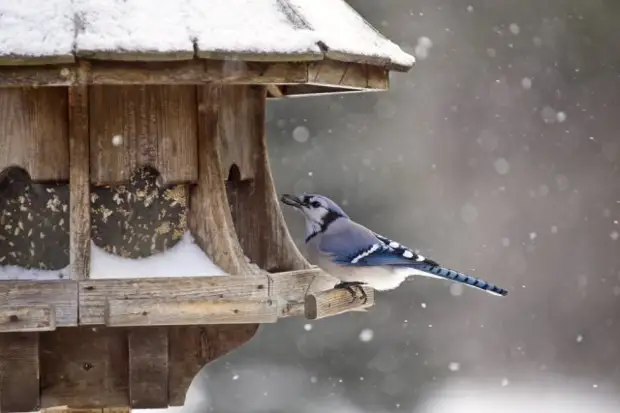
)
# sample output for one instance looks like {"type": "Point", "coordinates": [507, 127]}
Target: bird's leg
{"type": "Point", "coordinates": [351, 288]}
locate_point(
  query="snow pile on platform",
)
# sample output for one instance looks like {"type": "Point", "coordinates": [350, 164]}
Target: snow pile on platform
{"type": "Point", "coordinates": [185, 259]}
{"type": "Point", "coordinates": [13, 272]}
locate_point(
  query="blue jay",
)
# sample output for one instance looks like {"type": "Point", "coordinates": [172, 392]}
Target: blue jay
{"type": "Point", "coordinates": [358, 256]}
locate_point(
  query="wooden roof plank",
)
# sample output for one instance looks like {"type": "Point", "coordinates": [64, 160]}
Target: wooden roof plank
{"type": "Point", "coordinates": [132, 30]}
{"type": "Point", "coordinates": [36, 32]}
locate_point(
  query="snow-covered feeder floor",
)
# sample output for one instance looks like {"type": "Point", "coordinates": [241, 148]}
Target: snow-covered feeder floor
{"type": "Point", "coordinates": [15, 273]}
{"type": "Point", "coordinates": [184, 259]}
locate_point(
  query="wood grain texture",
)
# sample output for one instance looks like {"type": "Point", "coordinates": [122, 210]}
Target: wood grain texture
{"type": "Point", "coordinates": [332, 302]}
{"type": "Point", "coordinates": [148, 367]}
{"type": "Point", "coordinates": [209, 216]}
{"type": "Point", "coordinates": [61, 295]}
{"type": "Point", "coordinates": [27, 318]}
{"type": "Point", "coordinates": [79, 182]}
{"type": "Point", "coordinates": [194, 346]}
{"type": "Point", "coordinates": [176, 312]}
{"type": "Point", "coordinates": [19, 372]}
{"type": "Point", "coordinates": [33, 132]}
{"type": "Point", "coordinates": [94, 294]}
{"type": "Point", "coordinates": [156, 126]}
{"type": "Point", "coordinates": [84, 367]}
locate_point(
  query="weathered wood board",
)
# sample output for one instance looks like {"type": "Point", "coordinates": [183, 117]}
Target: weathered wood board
{"type": "Point", "coordinates": [133, 126]}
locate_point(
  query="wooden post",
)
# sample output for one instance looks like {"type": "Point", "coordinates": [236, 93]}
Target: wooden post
{"type": "Point", "coordinates": [79, 182]}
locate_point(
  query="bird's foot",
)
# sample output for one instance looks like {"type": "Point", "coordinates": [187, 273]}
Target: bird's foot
{"type": "Point", "coordinates": [354, 287]}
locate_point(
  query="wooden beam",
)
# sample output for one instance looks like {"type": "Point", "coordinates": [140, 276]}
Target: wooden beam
{"type": "Point", "coordinates": [27, 318]}
{"type": "Point", "coordinates": [169, 312]}
{"type": "Point", "coordinates": [336, 301]}
{"type": "Point", "coordinates": [24, 76]}
{"type": "Point", "coordinates": [79, 182]}
{"type": "Point", "coordinates": [94, 294]}
{"type": "Point", "coordinates": [62, 296]}
{"type": "Point", "coordinates": [331, 73]}
{"type": "Point", "coordinates": [148, 367]}
{"type": "Point", "coordinates": [305, 90]}
{"type": "Point", "coordinates": [19, 372]}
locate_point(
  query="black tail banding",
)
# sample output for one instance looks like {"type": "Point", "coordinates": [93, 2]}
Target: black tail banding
{"type": "Point", "coordinates": [463, 279]}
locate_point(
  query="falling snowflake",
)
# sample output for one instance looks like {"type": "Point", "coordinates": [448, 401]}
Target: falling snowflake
{"type": "Point", "coordinates": [301, 134]}
{"type": "Point", "coordinates": [366, 335]}
{"type": "Point", "coordinates": [514, 28]}
{"type": "Point", "coordinates": [117, 140]}
{"type": "Point", "coordinates": [502, 166]}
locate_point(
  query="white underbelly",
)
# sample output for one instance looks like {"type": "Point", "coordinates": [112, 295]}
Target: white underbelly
{"type": "Point", "coordinates": [378, 278]}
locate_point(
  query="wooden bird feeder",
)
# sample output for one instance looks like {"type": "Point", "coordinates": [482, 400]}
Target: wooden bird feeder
{"type": "Point", "coordinates": [140, 234]}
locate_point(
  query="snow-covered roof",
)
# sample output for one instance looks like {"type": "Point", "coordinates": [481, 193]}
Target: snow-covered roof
{"type": "Point", "coordinates": [56, 31]}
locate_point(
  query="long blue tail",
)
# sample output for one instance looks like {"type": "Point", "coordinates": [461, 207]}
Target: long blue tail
{"type": "Point", "coordinates": [441, 272]}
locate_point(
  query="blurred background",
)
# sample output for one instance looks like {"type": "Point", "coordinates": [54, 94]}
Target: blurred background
{"type": "Point", "coordinates": [496, 155]}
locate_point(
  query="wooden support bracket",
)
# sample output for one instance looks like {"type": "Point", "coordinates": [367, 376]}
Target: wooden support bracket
{"type": "Point", "coordinates": [148, 367]}
{"type": "Point", "coordinates": [169, 312]}
{"type": "Point", "coordinates": [19, 372]}
{"type": "Point", "coordinates": [336, 301]}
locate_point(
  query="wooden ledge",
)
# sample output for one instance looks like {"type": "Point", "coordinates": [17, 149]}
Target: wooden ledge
{"type": "Point", "coordinates": [94, 295]}
{"type": "Point", "coordinates": [34, 299]}
{"type": "Point", "coordinates": [27, 318]}
{"type": "Point", "coordinates": [336, 301]}
{"type": "Point", "coordinates": [174, 312]}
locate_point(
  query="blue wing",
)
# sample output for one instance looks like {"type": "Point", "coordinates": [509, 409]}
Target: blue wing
{"type": "Point", "coordinates": [355, 245]}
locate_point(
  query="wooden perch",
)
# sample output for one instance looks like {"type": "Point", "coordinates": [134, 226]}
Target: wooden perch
{"type": "Point", "coordinates": [153, 312]}
{"type": "Point", "coordinates": [336, 301]}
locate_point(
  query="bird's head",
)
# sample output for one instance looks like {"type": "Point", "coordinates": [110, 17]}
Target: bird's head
{"type": "Point", "coordinates": [318, 210]}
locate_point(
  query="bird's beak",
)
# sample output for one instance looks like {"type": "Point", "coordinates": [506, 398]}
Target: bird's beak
{"type": "Point", "coordinates": [291, 200]}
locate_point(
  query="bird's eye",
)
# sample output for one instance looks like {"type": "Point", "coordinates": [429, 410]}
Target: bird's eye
{"type": "Point", "coordinates": [315, 204]}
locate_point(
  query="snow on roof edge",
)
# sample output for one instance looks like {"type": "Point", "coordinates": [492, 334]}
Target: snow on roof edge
{"type": "Point", "coordinates": [290, 29]}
